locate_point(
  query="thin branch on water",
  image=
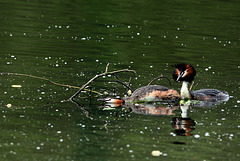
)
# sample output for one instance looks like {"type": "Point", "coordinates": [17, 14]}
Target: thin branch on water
{"type": "Point", "coordinates": [124, 84]}
{"type": "Point", "coordinates": [161, 76]}
{"type": "Point", "coordinates": [41, 78]}
{"type": "Point", "coordinates": [82, 108]}
{"type": "Point", "coordinates": [191, 86]}
{"type": "Point", "coordinates": [100, 75]}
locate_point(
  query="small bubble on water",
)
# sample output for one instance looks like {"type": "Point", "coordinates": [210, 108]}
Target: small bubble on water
{"type": "Point", "coordinates": [197, 136]}
{"type": "Point", "coordinates": [165, 154]}
{"type": "Point", "coordinates": [207, 134]}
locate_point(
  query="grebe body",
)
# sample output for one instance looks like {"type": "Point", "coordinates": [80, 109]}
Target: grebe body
{"type": "Point", "coordinates": [148, 93]}
{"type": "Point", "coordinates": [153, 93]}
{"type": "Point", "coordinates": [209, 94]}
{"type": "Point", "coordinates": [185, 73]}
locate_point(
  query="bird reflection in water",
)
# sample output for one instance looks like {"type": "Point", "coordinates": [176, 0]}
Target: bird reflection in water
{"type": "Point", "coordinates": [151, 109]}
{"type": "Point", "coordinates": [146, 108]}
{"type": "Point", "coordinates": [183, 125]}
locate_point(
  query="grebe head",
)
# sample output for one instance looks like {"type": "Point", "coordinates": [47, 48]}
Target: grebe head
{"type": "Point", "coordinates": [183, 72]}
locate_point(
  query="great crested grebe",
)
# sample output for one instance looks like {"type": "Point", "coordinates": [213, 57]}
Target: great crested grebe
{"type": "Point", "coordinates": [147, 93]}
{"type": "Point", "coordinates": [185, 73]}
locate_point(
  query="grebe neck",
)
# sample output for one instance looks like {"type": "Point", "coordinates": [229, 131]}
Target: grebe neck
{"type": "Point", "coordinates": [185, 94]}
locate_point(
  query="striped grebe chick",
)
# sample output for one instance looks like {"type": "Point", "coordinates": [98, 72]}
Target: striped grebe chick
{"type": "Point", "coordinates": [185, 73]}
{"type": "Point", "coordinates": [150, 93]}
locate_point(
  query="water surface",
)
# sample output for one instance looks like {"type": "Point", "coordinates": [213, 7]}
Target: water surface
{"type": "Point", "coordinates": [69, 42]}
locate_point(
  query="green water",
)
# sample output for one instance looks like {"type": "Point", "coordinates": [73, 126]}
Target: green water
{"type": "Point", "coordinates": [69, 42]}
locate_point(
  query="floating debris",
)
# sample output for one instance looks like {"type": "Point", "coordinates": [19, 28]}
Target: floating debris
{"type": "Point", "coordinates": [156, 153]}
{"type": "Point", "coordinates": [9, 105]}
{"type": "Point", "coordinates": [16, 86]}
{"type": "Point", "coordinates": [108, 108]}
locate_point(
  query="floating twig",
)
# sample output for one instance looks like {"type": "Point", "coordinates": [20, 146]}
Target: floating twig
{"type": "Point", "coordinates": [161, 76]}
{"type": "Point", "coordinates": [100, 75]}
{"type": "Point", "coordinates": [106, 70]}
{"type": "Point", "coordinates": [124, 84]}
{"type": "Point", "coordinates": [191, 86]}
{"type": "Point", "coordinates": [82, 108]}
{"type": "Point", "coordinates": [58, 84]}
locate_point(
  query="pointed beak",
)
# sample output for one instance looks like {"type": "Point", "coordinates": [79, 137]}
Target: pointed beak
{"type": "Point", "coordinates": [179, 76]}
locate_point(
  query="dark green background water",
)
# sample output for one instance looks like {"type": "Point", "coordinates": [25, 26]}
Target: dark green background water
{"type": "Point", "coordinates": [71, 41]}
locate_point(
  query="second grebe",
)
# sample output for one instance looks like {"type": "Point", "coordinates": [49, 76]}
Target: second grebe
{"type": "Point", "coordinates": [147, 93]}
{"type": "Point", "coordinates": [185, 73]}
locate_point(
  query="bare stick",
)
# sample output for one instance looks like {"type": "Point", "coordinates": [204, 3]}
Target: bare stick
{"type": "Point", "coordinates": [124, 84]}
{"type": "Point", "coordinates": [100, 75]}
{"type": "Point", "coordinates": [191, 86]}
{"type": "Point", "coordinates": [161, 76]}
{"type": "Point", "coordinates": [58, 84]}
{"type": "Point", "coordinates": [106, 70]}
{"type": "Point", "coordinates": [129, 82]}
{"type": "Point", "coordinates": [82, 108]}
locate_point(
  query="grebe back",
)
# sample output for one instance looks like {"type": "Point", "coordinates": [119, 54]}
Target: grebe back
{"type": "Point", "coordinates": [148, 93]}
